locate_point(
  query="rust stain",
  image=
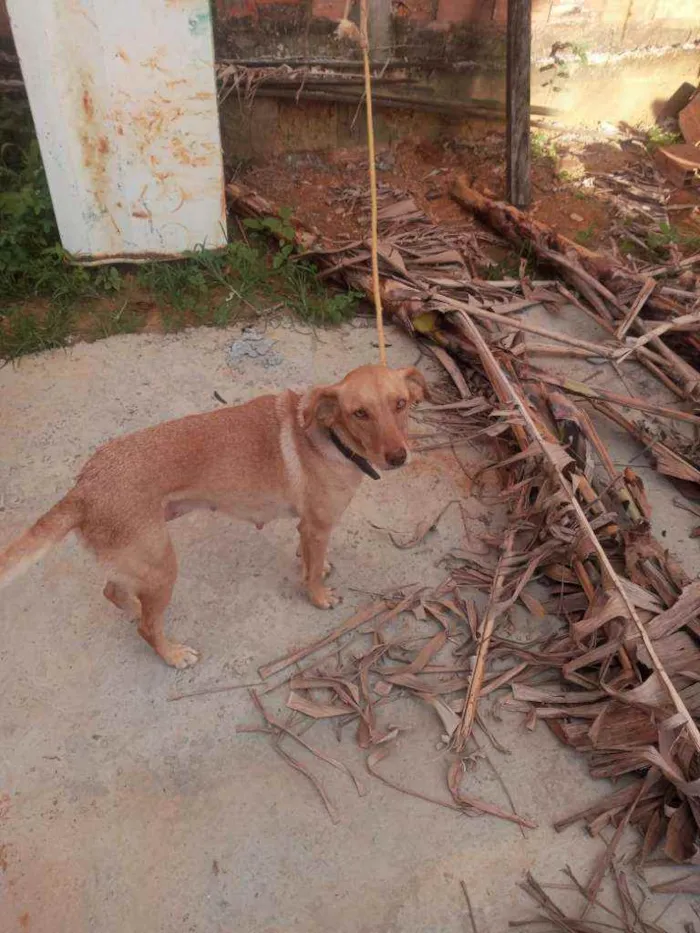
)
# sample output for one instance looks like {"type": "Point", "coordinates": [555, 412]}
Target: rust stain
{"type": "Point", "coordinates": [153, 64]}
{"type": "Point", "coordinates": [95, 147]}
{"type": "Point", "coordinates": [88, 105]}
{"type": "Point", "coordinates": [120, 130]}
{"type": "Point", "coordinates": [3, 858]}
{"type": "Point", "coordinates": [183, 197]}
{"type": "Point", "coordinates": [184, 154]}
{"type": "Point", "coordinates": [152, 124]}
{"type": "Point", "coordinates": [95, 152]}
{"type": "Point", "coordinates": [173, 83]}
{"type": "Point", "coordinates": [142, 215]}
{"type": "Point", "coordinates": [24, 920]}
{"type": "Point", "coordinates": [122, 54]}
{"type": "Point", "coordinates": [202, 95]}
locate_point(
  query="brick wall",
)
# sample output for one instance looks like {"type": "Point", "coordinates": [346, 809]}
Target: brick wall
{"type": "Point", "coordinates": [610, 24]}
{"type": "Point", "coordinates": [412, 28]}
{"type": "Point", "coordinates": [4, 21]}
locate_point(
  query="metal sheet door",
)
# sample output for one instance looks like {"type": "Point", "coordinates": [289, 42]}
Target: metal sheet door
{"type": "Point", "coordinates": [123, 96]}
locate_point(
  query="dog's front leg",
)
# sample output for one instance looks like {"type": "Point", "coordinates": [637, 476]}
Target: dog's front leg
{"type": "Point", "coordinates": [314, 537]}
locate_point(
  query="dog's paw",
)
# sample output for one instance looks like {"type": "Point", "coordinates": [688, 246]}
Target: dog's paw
{"type": "Point", "coordinates": [324, 598]}
{"type": "Point", "coordinates": [181, 656]}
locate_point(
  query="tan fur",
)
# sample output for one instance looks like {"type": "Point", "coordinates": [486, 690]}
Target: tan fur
{"type": "Point", "coordinates": [269, 458]}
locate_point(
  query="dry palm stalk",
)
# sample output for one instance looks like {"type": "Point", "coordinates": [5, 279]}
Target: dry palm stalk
{"type": "Point", "coordinates": [628, 920]}
{"type": "Point", "coordinates": [366, 614]}
{"type": "Point", "coordinates": [684, 322]}
{"type": "Point", "coordinates": [494, 609]}
{"type": "Point", "coordinates": [298, 766]}
{"type": "Point", "coordinates": [666, 460]}
{"type": "Point", "coordinates": [552, 455]}
{"type": "Point", "coordinates": [644, 293]}
{"type": "Point", "coordinates": [604, 862]}
{"type": "Point", "coordinates": [278, 731]}
{"type": "Point", "coordinates": [599, 278]}
{"type": "Point", "coordinates": [580, 388]}
{"type": "Point", "coordinates": [279, 727]}
{"type": "Point", "coordinates": [574, 419]}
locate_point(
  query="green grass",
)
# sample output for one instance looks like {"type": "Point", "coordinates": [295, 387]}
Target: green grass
{"type": "Point", "coordinates": [542, 147]}
{"type": "Point", "coordinates": [509, 266]}
{"type": "Point", "coordinates": [586, 236]}
{"type": "Point", "coordinates": [656, 137]}
{"type": "Point", "coordinates": [47, 300]}
{"type": "Point", "coordinates": [667, 234]}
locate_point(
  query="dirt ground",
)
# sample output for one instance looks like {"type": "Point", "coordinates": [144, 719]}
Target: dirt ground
{"type": "Point", "coordinates": [121, 810]}
{"type": "Point", "coordinates": [327, 190]}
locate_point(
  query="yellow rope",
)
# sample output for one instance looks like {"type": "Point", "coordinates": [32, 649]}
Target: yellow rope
{"type": "Point", "coordinates": [364, 44]}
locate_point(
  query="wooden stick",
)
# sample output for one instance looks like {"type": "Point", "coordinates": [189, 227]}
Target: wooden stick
{"type": "Point", "coordinates": [595, 349]}
{"type": "Point", "coordinates": [518, 50]}
{"type": "Point", "coordinates": [684, 322]}
{"type": "Point", "coordinates": [629, 401]}
{"type": "Point", "coordinates": [359, 618]}
{"type": "Point", "coordinates": [461, 734]}
{"type": "Point", "coordinates": [469, 907]}
{"type": "Point", "coordinates": [687, 375]}
{"type": "Point", "coordinates": [601, 868]}
{"type": "Point", "coordinates": [355, 621]}
{"type": "Point", "coordinates": [548, 349]}
{"type": "Point", "coordinates": [667, 460]}
{"type": "Point", "coordinates": [487, 357]}
{"type": "Point", "coordinates": [639, 302]}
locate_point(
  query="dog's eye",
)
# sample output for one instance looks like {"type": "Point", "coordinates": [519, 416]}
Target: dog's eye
{"type": "Point", "coordinates": [401, 404]}
{"type": "Point", "coordinates": [361, 413]}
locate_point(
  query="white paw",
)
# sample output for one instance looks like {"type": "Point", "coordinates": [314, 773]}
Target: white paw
{"type": "Point", "coordinates": [324, 598]}
{"type": "Point", "coordinates": [181, 657]}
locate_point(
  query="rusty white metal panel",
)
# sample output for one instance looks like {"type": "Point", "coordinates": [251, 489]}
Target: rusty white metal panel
{"type": "Point", "coordinates": [124, 101]}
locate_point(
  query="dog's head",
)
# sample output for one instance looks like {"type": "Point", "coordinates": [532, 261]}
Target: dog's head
{"type": "Point", "coordinates": [368, 410]}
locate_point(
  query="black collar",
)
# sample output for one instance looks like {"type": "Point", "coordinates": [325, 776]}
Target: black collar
{"type": "Point", "coordinates": [359, 461]}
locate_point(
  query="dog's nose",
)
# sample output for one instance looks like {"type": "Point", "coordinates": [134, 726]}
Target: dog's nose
{"type": "Point", "coordinates": [397, 458]}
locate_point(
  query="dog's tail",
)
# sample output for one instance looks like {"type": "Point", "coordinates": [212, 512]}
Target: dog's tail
{"type": "Point", "coordinates": [38, 540]}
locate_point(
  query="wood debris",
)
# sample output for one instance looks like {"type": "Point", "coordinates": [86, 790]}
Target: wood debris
{"type": "Point", "coordinates": [329, 81]}
{"type": "Point", "coordinates": [620, 682]}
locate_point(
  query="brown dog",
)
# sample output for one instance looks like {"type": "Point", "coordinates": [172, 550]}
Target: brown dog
{"type": "Point", "coordinates": [277, 456]}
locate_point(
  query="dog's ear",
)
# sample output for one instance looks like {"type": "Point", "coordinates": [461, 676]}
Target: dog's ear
{"type": "Point", "coordinates": [322, 407]}
{"type": "Point", "coordinates": [415, 383]}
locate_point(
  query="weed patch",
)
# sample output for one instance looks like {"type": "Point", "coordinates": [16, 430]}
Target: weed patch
{"type": "Point", "coordinates": [49, 299]}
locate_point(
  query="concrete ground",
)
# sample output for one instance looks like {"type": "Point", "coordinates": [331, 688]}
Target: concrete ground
{"type": "Point", "coordinates": [121, 811]}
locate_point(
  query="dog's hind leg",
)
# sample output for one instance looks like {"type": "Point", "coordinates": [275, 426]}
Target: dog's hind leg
{"type": "Point", "coordinates": [150, 568]}
{"type": "Point", "coordinates": [122, 598]}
